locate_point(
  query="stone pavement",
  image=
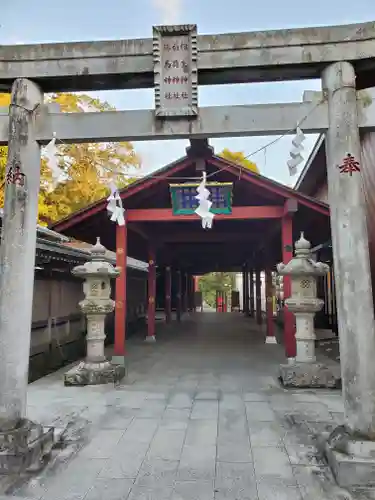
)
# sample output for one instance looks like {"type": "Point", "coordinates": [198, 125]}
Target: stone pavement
{"type": "Point", "coordinates": [200, 417]}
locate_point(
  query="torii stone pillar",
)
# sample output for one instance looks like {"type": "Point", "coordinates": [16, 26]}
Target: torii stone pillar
{"type": "Point", "coordinates": [304, 303]}
{"type": "Point", "coordinates": [22, 442]}
{"type": "Point", "coordinates": [97, 274]}
{"type": "Point", "coordinates": [353, 280]}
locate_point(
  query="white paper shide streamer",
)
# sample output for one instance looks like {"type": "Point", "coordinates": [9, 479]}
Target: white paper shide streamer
{"type": "Point", "coordinates": [203, 209]}
{"type": "Point", "coordinates": [50, 152]}
{"type": "Point", "coordinates": [115, 207]}
{"type": "Point", "coordinates": [296, 152]}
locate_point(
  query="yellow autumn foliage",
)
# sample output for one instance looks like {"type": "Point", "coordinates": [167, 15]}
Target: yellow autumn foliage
{"type": "Point", "coordinates": [240, 158]}
{"type": "Point", "coordinates": [87, 169]}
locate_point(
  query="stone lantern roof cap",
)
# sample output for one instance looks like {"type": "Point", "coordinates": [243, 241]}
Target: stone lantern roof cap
{"type": "Point", "coordinates": [302, 245]}
{"type": "Point", "coordinates": [302, 264]}
{"type": "Point", "coordinates": [99, 265]}
{"type": "Point", "coordinates": [98, 251]}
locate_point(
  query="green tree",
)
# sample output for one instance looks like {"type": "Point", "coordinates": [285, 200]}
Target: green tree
{"type": "Point", "coordinates": [240, 158]}
{"type": "Point", "coordinates": [210, 283]}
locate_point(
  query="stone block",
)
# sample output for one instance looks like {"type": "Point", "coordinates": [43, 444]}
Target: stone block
{"type": "Point", "coordinates": [24, 447]}
{"type": "Point", "coordinates": [94, 374]}
{"type": "Point", "coordinates": [352, 459]}
{"type": "Point", "coordinates": [314, 375]}
{"type": "Point", "coordinates": [150, 339]}
{"type": "Point", "coordinates": [271, 340]}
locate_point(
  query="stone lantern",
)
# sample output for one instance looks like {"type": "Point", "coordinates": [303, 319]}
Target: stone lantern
{"type": "Point", "coordinates": [304, 371]}
{"type": "Point", "coordinates": [97, 274]}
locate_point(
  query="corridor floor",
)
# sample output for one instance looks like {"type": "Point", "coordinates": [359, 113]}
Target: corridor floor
{"type": "Point", "coordinates": [201, 416]}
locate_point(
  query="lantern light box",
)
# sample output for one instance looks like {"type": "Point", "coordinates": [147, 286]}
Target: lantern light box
{"type": "Point", "coordinates": [185, 203]}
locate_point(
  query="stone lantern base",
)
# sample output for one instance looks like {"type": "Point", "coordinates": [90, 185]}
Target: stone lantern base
{"type": "Point", "coordinates": [309, 375]}
{"type": "Point", "coordinates": [24, 447]}
{"type": "Point", "coordinates": [89, 373]}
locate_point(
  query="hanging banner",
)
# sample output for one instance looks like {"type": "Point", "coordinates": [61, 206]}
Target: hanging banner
{"type": "Point", "coordinates": [175, 71]}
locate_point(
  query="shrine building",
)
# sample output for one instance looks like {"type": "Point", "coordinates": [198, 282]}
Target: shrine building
{"type": "Point", "coordinates": [256, 221]}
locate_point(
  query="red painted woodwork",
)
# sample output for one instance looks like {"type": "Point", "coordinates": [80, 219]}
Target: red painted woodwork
{"type": "Point", "coordinates": [269, 304]}
{"type": "Point", "coordinates": [120, 304]}
{"type": "Point", "coordinates": [151, 293]}
{"type": "Point", "coordinates": [140, 188]}
{"type": "Point", "coordinates": [132, 189]}
{"type": "Point", "coordinates": [219, 302]}
{"type": "Point", "coordinates": [168, 293]}
{"type": "Point", "coordinates": [270, 185]}
{"type": "Point", "coordinates": [287, 252]}
{"type": "Point", "coordinates": [166, 214]}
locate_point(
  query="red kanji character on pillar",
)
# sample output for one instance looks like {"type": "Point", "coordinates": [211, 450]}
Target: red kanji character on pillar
{"type": "Point", "coordinates": [167, 79]}
{"type": "Point", "coordinates": [349, 165]}
{"type": "Point", "coordinates": [175, 79]}
{"type": "Point", "coordinates": [18, 177]}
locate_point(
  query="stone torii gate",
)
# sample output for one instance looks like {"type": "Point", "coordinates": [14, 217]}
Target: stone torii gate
{"type": "Point", "coordinates": [342, 56]}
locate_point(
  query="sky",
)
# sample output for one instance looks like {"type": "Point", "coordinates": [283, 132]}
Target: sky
{"type": "Point", "coordinates": [38, 21]}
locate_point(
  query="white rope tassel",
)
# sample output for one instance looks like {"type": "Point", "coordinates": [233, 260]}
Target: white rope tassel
{"type": "Point", "coordinates": [203, 209]}
{"type": "Point", "coordinates": [115, 207]}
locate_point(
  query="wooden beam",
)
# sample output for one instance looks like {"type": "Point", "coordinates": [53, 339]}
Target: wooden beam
{"type": "Point", "coordinates": [166, 214]}
{"type": "Point", "coordinates": [272, 186]}
{"type": "Point", "coordinates": [291, 206]}
{"type": "Point", "coordinates": [198, 236]}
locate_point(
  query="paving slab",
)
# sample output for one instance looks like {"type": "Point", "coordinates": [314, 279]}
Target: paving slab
{"type": "Point", "coordinates": [200, 416]}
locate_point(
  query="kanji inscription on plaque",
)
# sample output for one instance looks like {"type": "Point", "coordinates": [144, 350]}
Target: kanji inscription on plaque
{"type": "Point", "coordinates": [175, 71]}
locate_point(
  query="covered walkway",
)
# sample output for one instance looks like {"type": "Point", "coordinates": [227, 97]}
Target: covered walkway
{"type": "Point", "coordinates": [200, 416]}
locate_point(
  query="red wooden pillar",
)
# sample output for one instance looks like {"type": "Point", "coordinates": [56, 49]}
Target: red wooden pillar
{"type": "Point", "coordinates": [258, 297]}
{"type": "Point", "coordinates": [151, 296]}
{"type": "Point", "coordinates": [179, 296]}
{"type": "Point", "coordinates": [168, 294]}
{"type": "Point", "coordinates": [120, 303]}
{"type": "Point", "coordinates": [287, 251]}
{"type": "Point", "coordinates": [270, 338]}
{"type": "Point", "coordinates": [196, 283]}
